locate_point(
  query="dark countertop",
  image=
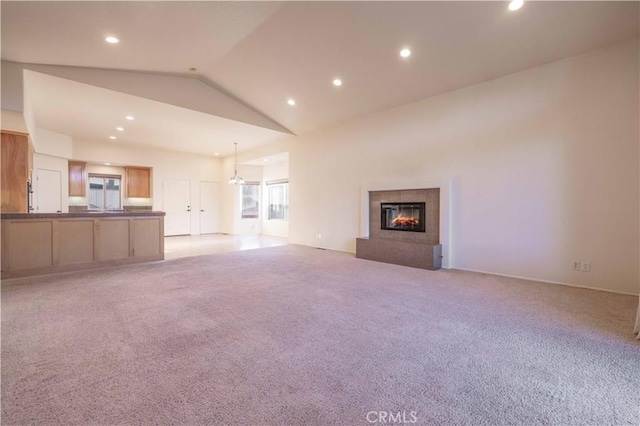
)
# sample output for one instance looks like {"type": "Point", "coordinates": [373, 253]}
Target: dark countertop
{"type": "Point", "coordinates": [86, 214]}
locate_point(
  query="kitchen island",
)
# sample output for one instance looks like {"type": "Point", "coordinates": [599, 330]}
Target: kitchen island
{"type": "Point", "coordinates": [44, 243]}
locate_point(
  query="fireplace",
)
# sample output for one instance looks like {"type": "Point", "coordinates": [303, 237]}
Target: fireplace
{"type": "Point", "coordinates": [414, 211]}
{"type": "Point", "coordinates": [402, 217]}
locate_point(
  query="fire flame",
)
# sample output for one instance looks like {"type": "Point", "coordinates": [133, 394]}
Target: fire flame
{"type": "Point", "coordinates": [404, 220]}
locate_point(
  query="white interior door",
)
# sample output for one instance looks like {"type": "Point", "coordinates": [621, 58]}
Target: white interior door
{"type": "Point", "coordinates": [209, 207]}
{"type": "Point", "coordinates": [176, 196]}
{"type": "Point", "coordinates": [48, 191]}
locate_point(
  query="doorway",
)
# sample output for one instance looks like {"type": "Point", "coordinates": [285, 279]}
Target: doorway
{"type": "Point", "coordinates": [48, 191]}
{"type": "Point", "coordinates": [209, 207]}
{"type": "Point", "coordinates": [176, 197]}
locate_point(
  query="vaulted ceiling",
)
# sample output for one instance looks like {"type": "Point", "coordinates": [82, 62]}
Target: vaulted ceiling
{"type": "Point", "coordinates": [261, 54]}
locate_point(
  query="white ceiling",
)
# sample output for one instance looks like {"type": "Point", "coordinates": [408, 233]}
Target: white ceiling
{"type": "Point", "coordinates": [264, 52]}
{"type": "Point", "coordinates": [156, 35]}
{"type": "Point", "coordinates": [91, 113]}
{"type": "Point", "coordinates": [282, 157]}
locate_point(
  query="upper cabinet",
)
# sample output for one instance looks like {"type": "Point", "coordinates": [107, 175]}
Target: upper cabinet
{"type": "Point", "coordinates": [138, 182]}
{"type": "Point", "coordinates": [77, 179]}
{"type": "Point", "coordinates": [17, 160]}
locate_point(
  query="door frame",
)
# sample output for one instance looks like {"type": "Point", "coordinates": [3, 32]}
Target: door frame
{"type": "Point", "coordinates": [189, 206]}
{"type": "Point", "coordinates": [37, 191]}
{"type": "Point", "coordinates": [218, 205]}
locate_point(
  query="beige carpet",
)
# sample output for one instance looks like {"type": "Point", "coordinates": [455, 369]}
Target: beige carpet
{"type": "Point", "coordinates": [295, 335]}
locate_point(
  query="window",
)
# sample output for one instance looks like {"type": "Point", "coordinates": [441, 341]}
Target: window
{"type": "Point", "coordinates": [104, 192]}
{"type": "Point", "coordinates": [250, 200]}
{"type": "Point", "coordinates": [278, 200]}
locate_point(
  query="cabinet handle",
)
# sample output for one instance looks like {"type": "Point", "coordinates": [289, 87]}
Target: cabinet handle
{"type": "Point", "coordinates": [202, 210]}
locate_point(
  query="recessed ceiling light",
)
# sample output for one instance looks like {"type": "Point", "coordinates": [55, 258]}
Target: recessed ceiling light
{"type": "Point", "coordinates": [515, 4]}
{"type": "Point", "coordinates": [112, 137]}
{"type": "Point", "coordinates": [337, 82]}
{"type": "Point", "coordinates": [120, 129]}
{"type": "Point", "coordinates": [107, 164]}
{"type": "Point", "coordinates": [291, 102]}
{"type": "Point", "coordinates": [129, 117]}
{"type": "Point", "coordinates": [266, 160]}
{"type": "Point", "coordinates": [405, 53]}
{"type": "Point", "coordinates": [112, 40]}
{"type": "Point", "coordinates": [216, 153]}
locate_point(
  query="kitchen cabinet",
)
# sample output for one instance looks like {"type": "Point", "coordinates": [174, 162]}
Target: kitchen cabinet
{"type": "Point", "coordinates": [138, 182]}
{"type": "Point", "coordinates": [77, 179]}
{"type": "Point", "coordinates": [44, 243]}
{"type": "Point", "coordinates": [17, 161]}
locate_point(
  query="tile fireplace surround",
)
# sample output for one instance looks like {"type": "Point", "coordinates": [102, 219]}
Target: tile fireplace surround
{"type": "Point", "coordinates": [415, 249]}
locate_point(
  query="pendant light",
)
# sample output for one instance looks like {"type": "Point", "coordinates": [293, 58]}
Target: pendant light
{"type": "Point", "coordinates": [236, 180]}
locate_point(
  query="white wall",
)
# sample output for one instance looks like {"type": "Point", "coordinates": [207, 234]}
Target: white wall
{"type": "Point", "coordinates": [542, 166]}
{"type": "Point", "coordinates": [14, 121]}
{"type": "Point", "coordinates": [273, 172]}
{"type": "Point", "coordinates": [165, 164]}
{"type": "Point", "coordinates": [12, 91]}
{"type": "Point", "coordinates": [52, 143]}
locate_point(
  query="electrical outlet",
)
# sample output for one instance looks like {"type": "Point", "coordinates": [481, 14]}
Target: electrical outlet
{"type": "Point", "coordinates": [585, 266]}
{"type": "Point", "coordinates": [576, 265]}
{"type": "Point", "coordinates": [318, 236]}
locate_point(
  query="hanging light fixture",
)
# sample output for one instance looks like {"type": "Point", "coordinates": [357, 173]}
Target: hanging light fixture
{"type": "Point", "coordinates": [236, 180]}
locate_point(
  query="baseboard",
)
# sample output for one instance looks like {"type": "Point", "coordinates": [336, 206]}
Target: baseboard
{"type": "Point", "coordinates": [546, 281]}
{"type": "Point", "coordinates": [84, 266]}
{"type": "Point", "coordinates": [511, 276]}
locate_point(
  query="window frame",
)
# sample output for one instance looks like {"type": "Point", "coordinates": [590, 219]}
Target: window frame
{"type": "Point", "coordinates": [257, 185]}
{"type": "Point", "coordinates": [273, 184]}
{"type": "Point", "coordinates": [104, 177]}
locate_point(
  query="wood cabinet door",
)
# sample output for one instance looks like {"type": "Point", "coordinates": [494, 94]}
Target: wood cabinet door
{"type": "Point", "coordinates": [77, 179]}
{"type": "Point", "coordinates": [138, 182]}
{"type": "Point", "coordinates": [15, 163]}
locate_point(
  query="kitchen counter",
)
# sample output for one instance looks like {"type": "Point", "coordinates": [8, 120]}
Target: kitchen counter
{"type": "Point", "coordinates": [45, 243]}
{"type": "Point", "coordinates": [88, 213]}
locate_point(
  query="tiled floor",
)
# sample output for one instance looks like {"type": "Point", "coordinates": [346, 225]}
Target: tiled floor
{"type": "Point", "coordinates": [197, 245]}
